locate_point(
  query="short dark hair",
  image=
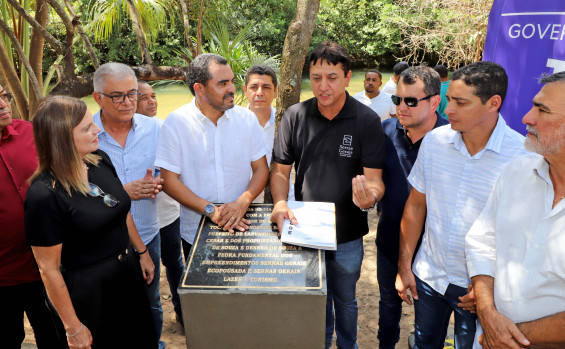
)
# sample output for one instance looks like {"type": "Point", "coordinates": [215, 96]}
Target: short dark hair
{"type": "Point", "coordinates": [442, 70]}
{"type": "Point", "coordinates": [261, 69]}
{"type": "Point", "coordinates": [430, 78]}
{"type": "Point", "coordinates": [199, 69]}
{"type": "Point", "coordinates": [400, 67]}
{"type": "Point", "coordinates": [332, 53]}
{"type": "Point", "coordinates": [549, 78]}
{"type": "Point", "coordinates": [488, 79]}
{"type": "Point", "coordinates": [376, 72]}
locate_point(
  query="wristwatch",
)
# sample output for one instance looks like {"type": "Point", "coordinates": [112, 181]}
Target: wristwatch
{"type": "Point", "coordinates": [370, 208]}
{"type": "Point", "coordinates": [209, 210]}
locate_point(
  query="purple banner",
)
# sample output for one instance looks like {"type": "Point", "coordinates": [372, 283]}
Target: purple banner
{"type": "Point", "coordinates": [528, 39]}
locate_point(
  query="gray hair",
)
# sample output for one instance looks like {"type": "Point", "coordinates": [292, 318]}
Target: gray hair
{"type": "Point", "coordinates": [548, 78]}
{"type": "Point", "coordinates": [112, 70]}
{"type": "Point", "coordinates": [198, 70]}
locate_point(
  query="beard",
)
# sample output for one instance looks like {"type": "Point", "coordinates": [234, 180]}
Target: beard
{"type": "Point", "coordinates": [552, 144]}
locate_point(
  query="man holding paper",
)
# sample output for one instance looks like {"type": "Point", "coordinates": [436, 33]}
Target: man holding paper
{"type": "Point", "coordinates": [337, 147]}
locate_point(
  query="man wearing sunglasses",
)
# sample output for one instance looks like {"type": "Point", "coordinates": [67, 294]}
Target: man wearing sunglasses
{"type": "Point", "coordinates": [130, 140]}
{"type": "Point", "coordinates": [21, 288]}
{"type": "Point", "coordinates": [416, 99]}
{"type": "Point", "coordinates": [451, 180]}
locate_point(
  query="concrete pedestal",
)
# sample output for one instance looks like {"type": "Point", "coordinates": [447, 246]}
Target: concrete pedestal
{"type": "Point", "coordinates": [249, 290]}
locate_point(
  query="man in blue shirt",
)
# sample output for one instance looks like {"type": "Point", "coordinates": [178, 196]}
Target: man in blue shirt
{"type": "Point", "coordinates": [443, 74]}
{"type": "Point", "coordinates": [403, 136]}
{"type": "Point", "coordinates": [131, 141]}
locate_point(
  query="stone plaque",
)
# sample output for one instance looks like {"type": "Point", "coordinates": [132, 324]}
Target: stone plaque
{"type": "Point", "coordinates": [249, 290]}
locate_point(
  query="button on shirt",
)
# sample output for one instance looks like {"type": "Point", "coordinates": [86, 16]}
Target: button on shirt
{"type": "Point", "coordinates": [529, 266]}
{"type": "Point", "coordinates": [18, 161]}
{"type": "Point", "coordinates": [214, 162]}
{"type": "Point", "coordinates": [381, 104]}
{"type": "Point", "coordinates": [457, 186]}
{"type": "Point", "coordinates": [131, 164]}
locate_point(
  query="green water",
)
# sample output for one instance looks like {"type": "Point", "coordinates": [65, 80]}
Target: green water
{"type": "Point", "coordinates": [172, 97]}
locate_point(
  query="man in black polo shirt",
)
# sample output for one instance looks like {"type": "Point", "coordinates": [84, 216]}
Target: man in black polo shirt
{"type": "Point", "coordinates": [416, 100]}
{"type": "Point", "coordinates": [337, 146]}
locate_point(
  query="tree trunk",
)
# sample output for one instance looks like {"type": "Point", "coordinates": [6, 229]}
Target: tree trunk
{"type": "Point", "coordinates": [81, 86]}
{"type": "Point", "coordinates": [145, 56]}
{"type": "Point", "coordinates": [83, 36]}
{"type": "Point", "coordinates": [199, 29]}
{"type": "Point", "coordinates": [25, 62]}
{"type": "Point", "coordinates": [295, 48]}
{"type": "Point", "coordinates": [55, 44]}
{"type": "Point", "coordinates": [184, 5]}
{"type": "Point", "coordinates": [69, 68]}
{"type": "Point", "coordinates": [13, 82]}
{"type": "Point", "coordinates": [36, 48]}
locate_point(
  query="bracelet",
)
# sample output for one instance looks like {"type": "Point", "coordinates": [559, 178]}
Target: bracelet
{"type": "Point", "coordinates": [140, 253]}
{"type": "Point", "coordinates": [370, 208]}
{"type": "Point", "coordinates": [72, 335]}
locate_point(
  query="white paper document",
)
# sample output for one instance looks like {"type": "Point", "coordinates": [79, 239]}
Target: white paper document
{"type": "Point", "coordinates": [315, 228]}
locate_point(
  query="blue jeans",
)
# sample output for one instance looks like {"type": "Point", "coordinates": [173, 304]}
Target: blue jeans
{"type": "Point", "coordinates": [154, 248]}
{"type": "Point", "coordinates": [433, 311]}
{"type": "Point", "coordinates": [343, 268]}
{"type": "Point", "coordinates": [390, 304]}
{"type": "Point", "coordinates": [171, 256]}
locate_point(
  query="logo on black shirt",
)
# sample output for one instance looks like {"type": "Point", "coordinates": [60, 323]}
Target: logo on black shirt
{"type": "Point", "coordinates": [346, 150]}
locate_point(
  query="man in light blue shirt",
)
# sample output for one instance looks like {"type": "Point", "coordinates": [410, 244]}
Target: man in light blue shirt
{"type": "Point", "coordinates": [131, 140]}
{"type": "Point", "coordinates": [455, 171]}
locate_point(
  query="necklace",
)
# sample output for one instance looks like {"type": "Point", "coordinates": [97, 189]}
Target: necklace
{"type": "Point", "coordinates": [559, 199]}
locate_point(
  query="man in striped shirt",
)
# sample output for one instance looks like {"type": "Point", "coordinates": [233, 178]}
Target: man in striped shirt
{"type": "Point", "coordinates": [455, 171]}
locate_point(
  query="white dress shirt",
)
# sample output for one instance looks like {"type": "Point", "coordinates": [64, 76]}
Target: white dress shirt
{"type": "Point", "coordinates": [168, 209]}
{"type": "Point", "coordinates": [519, 240]}
{"type": "Point", "coordinates": [390, 87]}
{"type": "Point", "coordinates": [269, 138]}
{"type": "Point", "coordinates": [457, 187]}
{"type": "Point", "coordinates": [381, 104]}
{"type": "Point", "coordinates": [214, 162]}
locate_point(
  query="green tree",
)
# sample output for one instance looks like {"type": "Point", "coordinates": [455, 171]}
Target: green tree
{"type": "Point", "coordinates": [359, 27]}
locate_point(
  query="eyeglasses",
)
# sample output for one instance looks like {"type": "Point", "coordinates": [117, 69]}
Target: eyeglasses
{"type": "Point", "coordinates": [7, 98]}
{"type": "Point", "coordinates": [132, 96]}
{"type": "Point", "coordinates": [109, 199]}
{"type": "Point", "coordinates": [410, 101]}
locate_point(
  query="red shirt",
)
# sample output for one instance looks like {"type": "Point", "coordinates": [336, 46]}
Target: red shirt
{"type": "Point", "coordinates": [18, 161]}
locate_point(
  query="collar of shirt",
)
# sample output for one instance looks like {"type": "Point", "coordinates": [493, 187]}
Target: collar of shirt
{"type": "Point", "coordinates": [9, 131]}
{"type": "Point", "coordinates": [494, 143]}
{"type": "Point", "coordinates": [439, 122]}
{"type": "Point", "coordinates": [98, 121]}
{"type": "Point", "coordinates": [541, 170]}
{"type": "Point", "coordinates": [349, 109]}
{"type": "Point", "coordinates": [271, 120]}
{"type": "Point", "coordinates": [203, 119]}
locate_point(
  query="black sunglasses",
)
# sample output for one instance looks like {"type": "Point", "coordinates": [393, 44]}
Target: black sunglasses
{"type": "Point", "coordinates": [109, 199]}
{"type": "Point", "coordinates": [410, 101]}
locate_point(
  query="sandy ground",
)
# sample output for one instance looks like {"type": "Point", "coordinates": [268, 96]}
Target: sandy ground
{"type": "Point", "coordinates": [367, 294]}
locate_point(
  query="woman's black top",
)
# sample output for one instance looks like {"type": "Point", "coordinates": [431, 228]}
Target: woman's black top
{"type": "Point", "coordinates": [89, 230]}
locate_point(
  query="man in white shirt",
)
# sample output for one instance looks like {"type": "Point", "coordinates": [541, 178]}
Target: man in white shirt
{"type": "Point", "coordinates": [377, 100]}
{"type": "Point", "coordinates": [390, 86]}
{"type": "Point", "coordinates": [515, 252]}
{"type": "Point", "coordinates": [209, 149]}
{"type": "Point", "coordinates": [168, 211]}
{"type": "Point", "coordinates": [260, 89]}
{"type": "Point", "coordinates": [456, 169]}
